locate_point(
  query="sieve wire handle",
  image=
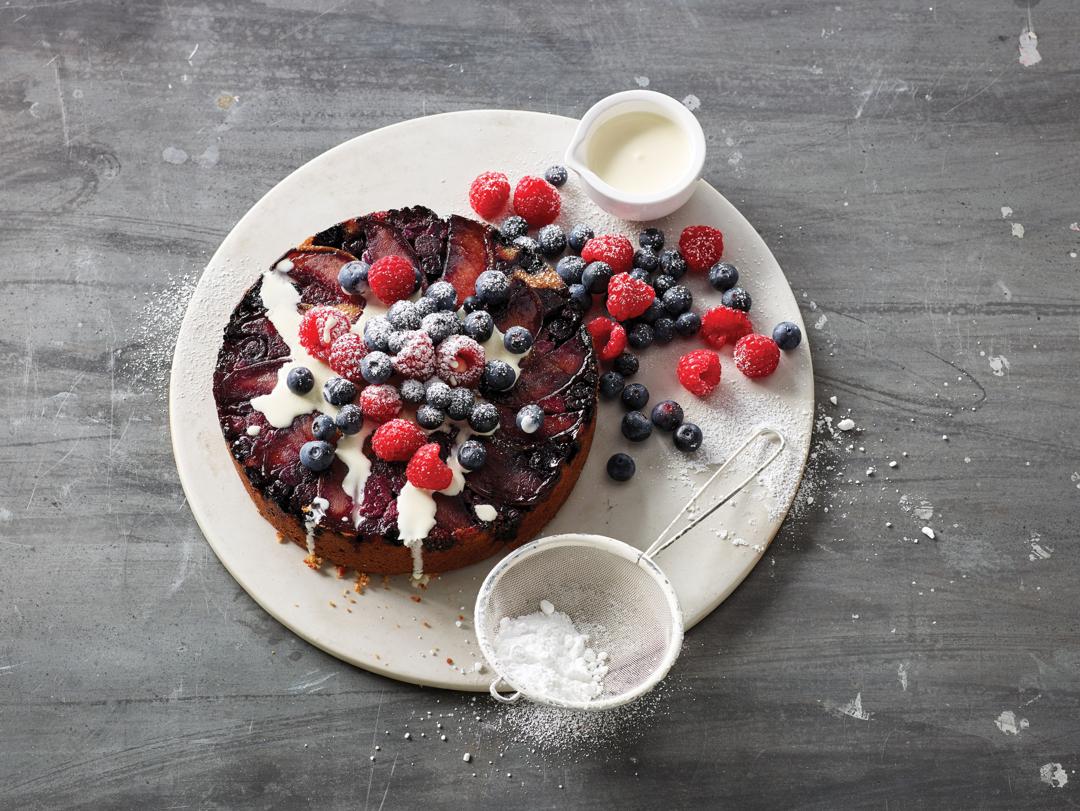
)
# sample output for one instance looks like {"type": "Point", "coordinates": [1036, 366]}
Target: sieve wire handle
{"type": "Point", "coordinates": [660, 544]}
{"type": "Point", "coordinates": [493, 688]}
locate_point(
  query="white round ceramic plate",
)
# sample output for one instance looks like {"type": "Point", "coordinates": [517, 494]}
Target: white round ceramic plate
{"type": "Point", "coordinates": [424, 636]}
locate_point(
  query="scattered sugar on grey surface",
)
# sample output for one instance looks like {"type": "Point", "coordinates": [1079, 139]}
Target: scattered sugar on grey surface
{"type": "Point", "coordinates": [551, 729]}
{"type": "Point", "coordinates": [151, 353]}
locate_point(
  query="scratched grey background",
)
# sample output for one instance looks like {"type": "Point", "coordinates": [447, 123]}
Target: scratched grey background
{"type": "Point", "coordinates": [873, 144]}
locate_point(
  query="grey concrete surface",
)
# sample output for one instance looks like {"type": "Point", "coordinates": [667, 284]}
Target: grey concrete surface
{"type": "Point", "coordinates": [890, 154]}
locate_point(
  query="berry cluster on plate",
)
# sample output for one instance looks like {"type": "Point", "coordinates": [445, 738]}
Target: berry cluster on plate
{"type": "Point", "coordinates": [401, 349]}
{"type": "Point", "coordinates": [633, 298]}
{"type": "Point", "coordinates": [434, 351]}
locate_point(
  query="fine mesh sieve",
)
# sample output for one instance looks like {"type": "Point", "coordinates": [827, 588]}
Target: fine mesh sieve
{"type": "Point", "coordinates": [611, 590]}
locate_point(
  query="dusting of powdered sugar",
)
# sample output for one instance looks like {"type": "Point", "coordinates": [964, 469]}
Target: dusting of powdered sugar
{"type": "Point", "coordinates": [552, 729]}
{"type": "Point", "coordinates": [546, 655]}
{"type": "Point", "coordinates": [149, 356]}
{"type": "Point", "coordinates": [737, 409]}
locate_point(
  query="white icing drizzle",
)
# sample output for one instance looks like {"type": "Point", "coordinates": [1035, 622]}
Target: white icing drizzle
{"type": "Point", "coordinates": [416, 507]}
{"type": "Point", "coordinates": [282, 406]}
{"type": "Point", "coordinates": [485, 512]}
{"type": "Point", "coordinates": [495, 349]}
{"type": "Point", "coordinates": [350, 450]}
{"type": "Point", "coordinates": [316, 513]}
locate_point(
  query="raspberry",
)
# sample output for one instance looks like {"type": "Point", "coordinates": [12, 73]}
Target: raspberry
{"type": "Point", "coordinates": [756, 355]}
{"type": "Point", "coordinates": [397, 440]}
{"type": "Point", "coordinates": [459, 361]}
{"type": "Point", "coordinates": [489, 193]}
{"type": "Point", "coordinates": [345, 355]}
{"type": "Point", "coordinates": [721, 326]}
{"type": "Point", "coordinates": [427, 471]}
{"type": "Point", "coordinates": [392, 278]}
{"type": "Point", "coordinates": [628, 297]}
{"type": "Point", "coordinates": [380, 403]}
{"type": "Point", "coordinates": [608, 337]}
{"type": "Point", "coordinates": [614, 249]}
{"type": "Point", "coordinates": [320, 327]}
{"type": "Point", "coordinates": [416, 358]}
{"type": "Point", "coordinates": [536, 201]}
{"type": "Point", "coordinates": [699, 372]}
{"type": "Point", "coordinates": [701, 247]}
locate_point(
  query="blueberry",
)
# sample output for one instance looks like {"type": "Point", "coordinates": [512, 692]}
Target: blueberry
{"type": "Point", "coordinates": [300, 380]}
{"type": "Point", "coordinates": [635, 396]}
{"type": "Point", "coordinates": [350, 419]}
{"type": "Point", "coordinates": [667, 415]}
{"type": "Point", "coordinates": [470, 304]}
{"type": "Point", "coordinates": [672, 264]}
{"type": "Point", "coordinates": [678, 299]}
{"type": "Point", "coordinates": [440, 326]}
{"type": "Point", "coordinates": [661, 284]}
{"type": "Point", "coordinates": [569, 269]}
{"type": "Point", "coordinates": [555, 175]}
{"type": "Point", "coordinates": [418, 280]}
{"type": "Point", "coordinates": [479, 326]}
{"type": "Point", "coordinates": [513, 227]}
{"type": "Point", "coordinates": [663, 330]}
{"type": "Point", "coordinates": [552, 240]}
{"type": "Point", "coordinates": [443, 294]}
{"type": "Point", "coordinates": [651, 238]}
{"type": "Point", "coordinates": [493, 287]}
{"type": "Point", "coordinates": [579, 234]}
{"type": "Point", "coordinates": [377, 332]}
{"type": "Point", "coordinates": [322, 427]}
{"type": "Point", "coordinates": [611, 385]}
{"type": "Point", "coordinates": [339, 391]}
{"type": "Point", "coordinates": [654, 311]}
{"type": "Point", "coordinates": [437, 394]}
{"type": "Point", "coordinates": [688, 437]}
{"type": "Point", "coordinates": [425, 306]}
{"type": "Point", "coordinates": [640, 335]}
{"type": "Point", "coordinates": [396, 341]}
{"type": "Point", "coordinates": [484, 418]}
{"type": "Point", "coordinates": [737, 299]}
{"type": "Point", "coordinates": [461, 403]}
{"type": "Point", "coordinates": [621, 467]}
{"type": "Point", "coordinates": [472, 454]}
{"type": "Point", "coordinates": [639, 275]}
{"type": "Point", "coordinates": [430, 417]}
{"type": "Point", "coordinates": [353, 276]}
{"type": "Point", "coordinates": [317, 455]}
{"type": "Point", "coordinates": [787, 335]}
{"type": "Point", "coordinates": [723, 276]}
{"type": "Point", "coordinates": [580, 297]}
{"type": "Point", "coordinates": [499, 375]}
{"type": "Point", "coordinates": [688, 324]}
{"type": "Point", "coordinates": [530, 249]}
{"type": "Point", "coordinates": [376, 367]}
{"type": "Point", "coordinates": [403, 315]}
{"type": "Point", "coordinates": [518, 340]}
{"type": "Point", "coordinates": [412, 391]}
{"type": "Point", "coordinates": [596, 276]}
{"type": "Point", "coordinates": [647, 259]}
{"type": "Point", "coordinates": [530, 418]}
{"type": "Point", "coordinates": [636, 426]}
{"type": "Point", "coordinates": [626, 364]}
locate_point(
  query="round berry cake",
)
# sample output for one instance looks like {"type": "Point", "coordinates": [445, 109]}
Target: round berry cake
{"type": "Point", "coordinates": [405, 392]}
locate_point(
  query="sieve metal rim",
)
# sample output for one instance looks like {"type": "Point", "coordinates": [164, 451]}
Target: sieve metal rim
{"type": "Point", "coordinates": [615, 547]}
